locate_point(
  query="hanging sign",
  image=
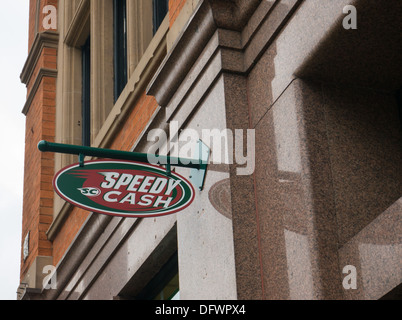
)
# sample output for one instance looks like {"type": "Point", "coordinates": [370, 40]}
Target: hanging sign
{"type": "Point", "coordinates": [124, 188]}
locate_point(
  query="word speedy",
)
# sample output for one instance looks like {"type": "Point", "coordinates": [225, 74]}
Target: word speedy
{"type": "Point", "coordinates": [154, 185]}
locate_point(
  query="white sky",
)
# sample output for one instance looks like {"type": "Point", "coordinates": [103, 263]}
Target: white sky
{"type": "Point", "coordinates": [13, 53]}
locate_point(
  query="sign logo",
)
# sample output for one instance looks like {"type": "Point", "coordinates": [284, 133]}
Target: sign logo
{"type": "Point", "coordinates": [124, 188]}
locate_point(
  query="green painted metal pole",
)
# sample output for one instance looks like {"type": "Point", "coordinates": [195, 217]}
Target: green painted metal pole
{"type": "Point", "coordinates": [46, 146]}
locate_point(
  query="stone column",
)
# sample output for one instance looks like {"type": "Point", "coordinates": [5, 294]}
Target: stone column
{"type": "Point", "coordinates": [202, 86]}
{"type": "Point", "coordinates": [101, 55]}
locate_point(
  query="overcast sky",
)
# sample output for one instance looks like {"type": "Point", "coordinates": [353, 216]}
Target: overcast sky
{"type": "Point", "coordinates": [14, 47]}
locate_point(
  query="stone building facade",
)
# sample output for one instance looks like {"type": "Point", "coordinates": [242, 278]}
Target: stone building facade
{"type": "Point", "coordinates": [317, 212]}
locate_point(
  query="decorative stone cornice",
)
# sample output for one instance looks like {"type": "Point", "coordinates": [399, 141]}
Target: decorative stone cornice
{"type": "Point", "coordinates": [184, 52]}
{"type": "Point", "coordinates": [209, 16]}
{"type": "Point", "coordinates": [78, 30]}
{"type": "Point", "coordinates": [46, 39]}
{"type": "Point", "coordinates": [232, 14]}
{"type": "Point", "coordinates": [229, 28]}
{"type": "Point", "coordinates": [43, 72]}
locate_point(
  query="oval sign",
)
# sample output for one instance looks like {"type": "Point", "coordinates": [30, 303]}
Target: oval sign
{"type": "Point", "coordinates": [124, 188]}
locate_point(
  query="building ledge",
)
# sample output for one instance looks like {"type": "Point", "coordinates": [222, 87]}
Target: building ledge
{"type": "Point", "coordinates": [31, 294]}
{"type": "Point", "coordinates": [43, 72]}
{"type": "Point", "coordinates": [46, 39]}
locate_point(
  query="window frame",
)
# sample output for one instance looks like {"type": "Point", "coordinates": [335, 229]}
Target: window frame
{"type": "Point", "coordinates": [120, 56]}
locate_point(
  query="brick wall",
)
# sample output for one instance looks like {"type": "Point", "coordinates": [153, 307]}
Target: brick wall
{"type": "Point", "coordinates": [38, 175]}
{"type": "Point", "coordinates": [32, 22]}
{"type": "Point", "coordinates": [67, 233]}
{"type": "Point", "coordinates": [32, 18]}
{"type": "Point", "coordinates": [135, 123]}
{"type": "Point", "coordinates": [48, 60]}
{"type": "Point", "coordinates": [130, 131]}
{"type": "Point", "coordinates": [175, 7]}
{"type": "Point", "coordinates": [39, 167]}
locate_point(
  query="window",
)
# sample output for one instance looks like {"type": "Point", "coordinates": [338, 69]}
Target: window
{"type": "Point", "coordinates": [165, 285]}
{"type": "Point", "coordinates": [120, 46]}
{"type": "Point", "coordinates": [160, 9]}
{"type": "Point", "coordinates": [170, 291]}
{"type": "Point", "coordinates": [86, 93]}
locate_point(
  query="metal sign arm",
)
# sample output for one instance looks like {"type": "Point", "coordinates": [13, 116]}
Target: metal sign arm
{"type": "Point", "coordinates": [199, 165]}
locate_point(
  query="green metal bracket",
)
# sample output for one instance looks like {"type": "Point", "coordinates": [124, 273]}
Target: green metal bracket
{"type": "Point", "coordinates": [81, 159]}
{"type": "Point", "coordinates": [198, 166]}
{"type": "Point", "coordinates": [197, 176]}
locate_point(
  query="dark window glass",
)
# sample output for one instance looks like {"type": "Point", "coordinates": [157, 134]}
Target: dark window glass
{"type": "Point", "coordinates": [160, 9]}
{"type": "Point", "coordinates": [86, 94]}
{"type": "Point", "coordinates": [165, 284]}
{"type": "Point", "coordinates": [120, 46]}
{"type": "Point", "coordinates": [399, 100]}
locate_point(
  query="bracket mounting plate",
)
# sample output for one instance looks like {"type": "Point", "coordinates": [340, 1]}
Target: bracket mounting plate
{"type": "Point", "coordinates": [197, 176]}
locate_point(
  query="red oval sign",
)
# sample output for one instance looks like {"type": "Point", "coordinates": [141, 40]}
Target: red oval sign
{"type": "Point", "coordinates": [124, 188]}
